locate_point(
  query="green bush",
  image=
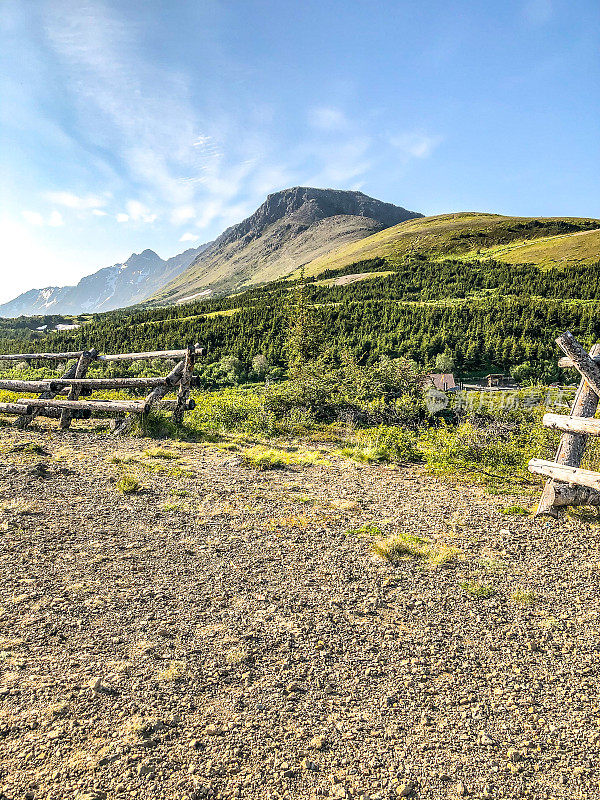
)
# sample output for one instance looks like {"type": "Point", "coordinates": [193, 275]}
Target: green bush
{"type": "Point", "coordinates": [385, 443]}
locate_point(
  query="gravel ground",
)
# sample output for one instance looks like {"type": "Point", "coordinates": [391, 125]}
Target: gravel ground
{"type": "Point", "coordinates": [225, 632]}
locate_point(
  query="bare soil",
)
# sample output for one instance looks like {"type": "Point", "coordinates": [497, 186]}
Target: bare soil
{"type": "Point", "coordinates": [225, 632]}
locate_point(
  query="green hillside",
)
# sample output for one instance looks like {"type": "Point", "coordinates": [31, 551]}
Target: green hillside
{"type": "Point", "coordinates": [550, 240]}
{"type": "Point", "coordinates": [492, 291]}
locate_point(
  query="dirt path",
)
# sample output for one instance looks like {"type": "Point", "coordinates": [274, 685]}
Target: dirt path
{"type": "Point", "coordinates": [227, 633]}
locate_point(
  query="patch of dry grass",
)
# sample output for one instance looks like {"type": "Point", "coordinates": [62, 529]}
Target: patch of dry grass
{"type": "Point", "coordinates": [404, 545]}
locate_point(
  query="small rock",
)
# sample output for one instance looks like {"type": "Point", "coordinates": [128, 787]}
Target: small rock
{"type": "Point", "coordinates": [405, 790]}
{"type": "Point", "coordinates": [213, 730]}
{"type": "Point", "coordinates": [96, 685]}
{"type": "Point", "coordinates": [318, 743]}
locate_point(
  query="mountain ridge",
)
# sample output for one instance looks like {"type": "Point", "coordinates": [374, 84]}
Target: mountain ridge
{"type": "Point", "coordinates": [107, 289]}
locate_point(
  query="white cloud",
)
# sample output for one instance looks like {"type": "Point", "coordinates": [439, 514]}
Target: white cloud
{"type": "Point", "coordinates": [415, 145]}
{"type": "Point", "coordinates": [182, 214]}
{"type": "Point", "coordinates": [138, 212]}
{"type": "Point", "coordinates": [76, 202]}
{"type": "Point", "coordinates": [55, 219]}
{"type": "Point", "coordinates": [33, 218]}
{"type": "Point", "coordinates": [122, 217]}
{"type": "Point", "coordinates": [97, 213]}
{"type": "Point", "coordinates": [327, 118]}
{"type": "Point", "coordinates": [189, 237]}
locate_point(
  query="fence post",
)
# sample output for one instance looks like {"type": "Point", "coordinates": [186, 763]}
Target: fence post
{"type": "Point", "coordinates": [185, 384]}
{"type": "Point", "coordinates": [572, 445]}
{"type": "Point", "coordinates": [85, 359]}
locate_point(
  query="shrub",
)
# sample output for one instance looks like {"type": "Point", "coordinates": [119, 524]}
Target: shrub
{"type": "Point", "coordinates": [385, 443]}
{"type": "Point", "coordinates": [517, 511]}
{"type": "Point", "coordinates": [128, 484]}
{"type": "Point", "coordinates": [478, 590]}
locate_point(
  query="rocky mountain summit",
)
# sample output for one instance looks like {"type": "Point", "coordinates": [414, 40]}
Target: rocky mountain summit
{"type": "Point", "coordinates": [289, 229]}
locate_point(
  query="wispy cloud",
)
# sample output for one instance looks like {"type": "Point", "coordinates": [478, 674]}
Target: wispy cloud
{"type": "Point", "coordinates": [327, 118]}
{"type": "Point", "coordinates": [182, 214]}
{"type": "Point", "coordinates": [76, 202]}
{"type": "Point", "coordinates": [142, 112]}
{"type": "Point", "coordinates": [415, 145]}
{"type": "Point", "coordinates": [33, 217]}
{"type": "Point", "coordinates": [189, 237]}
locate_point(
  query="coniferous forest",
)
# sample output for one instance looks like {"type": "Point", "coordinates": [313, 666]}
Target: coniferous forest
{"type": "Point", "coordinates": [487, 315]}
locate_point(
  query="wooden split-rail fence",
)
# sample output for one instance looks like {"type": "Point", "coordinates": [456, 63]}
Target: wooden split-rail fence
{"type": "Point", "coordinates": [568, 484]}
{"type": "Point", "coordinates": [64, 398]}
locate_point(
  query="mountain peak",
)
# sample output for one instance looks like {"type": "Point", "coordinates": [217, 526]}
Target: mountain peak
{"type": "Point", "coordinates": [306, 205]}
{"type": "Point", "coordinates": [290, 228]}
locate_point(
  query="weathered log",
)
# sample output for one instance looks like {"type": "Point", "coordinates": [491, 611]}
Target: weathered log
{"type": "Point", "coordinates": [583, 363]}
{"type": "Point", "coordinates": [85, 360]}
{"type": "Point", "coordinates": [26, 386]}
{"type": "Point", "coordinates": [565, 474]}
{"type": "Point", "coordinates": [565, 362]}
{"type": "Point", "coordinates": [110, 383]}
{"type": "Point", "coordinates": [40, 356]}
{"type": "Point", "coordinates": [23, 421]}
{"type": "Point", "coordinates": [572, 445]}
{"type": "Point", "coordinates": [148, 355]}
{"type": "Point", "coordinates": [112, 406]}
{"type": "Point", "coordinates": [565, 495]}
{"type": "Point", "coordinates": [183, 393]}
{"type": "Point", "coordinates": [579, 425]}
{"type": "Point", "coordinates": [14, 408]}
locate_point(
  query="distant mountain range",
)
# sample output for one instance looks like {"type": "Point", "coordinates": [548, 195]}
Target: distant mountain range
{"type": "Point", "coordinates": [290, 229]}
{"type": "Point", "coordinates": [121, 285]}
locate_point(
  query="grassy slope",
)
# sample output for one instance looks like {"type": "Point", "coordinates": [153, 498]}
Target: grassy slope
{"type": "Point", "coordinates": [273, 255]}
{"type": "Point", "coordinates": [468, 234]}
{"type": "Point", "coordinates": [574, 248]}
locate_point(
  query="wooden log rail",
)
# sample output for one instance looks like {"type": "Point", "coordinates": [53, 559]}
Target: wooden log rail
{"type": "Point", "coordinates": [158, 354]}
{"type": "Point", "coordinates": [111, 383]}
{"type": "Point", "coordinates": [15, 408]}
{"type": "Point", "coordinates": [40, 356]}
{"type": "Point", "coordinates": [567, 483]}
{"type": "Point", "coordinates": [149, 355]}
{"type": "Point", "coordinates": [21, 410]}
{"type": "Point", "coordinates": [27, 386]}
{"type": "Point", "coordinates": [53, 403]}
{"type": "Point", "coordinates": [114, 406]}
{"type": "Point", "coordinates": [581, 425]}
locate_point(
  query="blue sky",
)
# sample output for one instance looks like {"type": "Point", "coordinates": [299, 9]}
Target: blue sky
{"type": "Point", "coordinates": [139, 123]}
